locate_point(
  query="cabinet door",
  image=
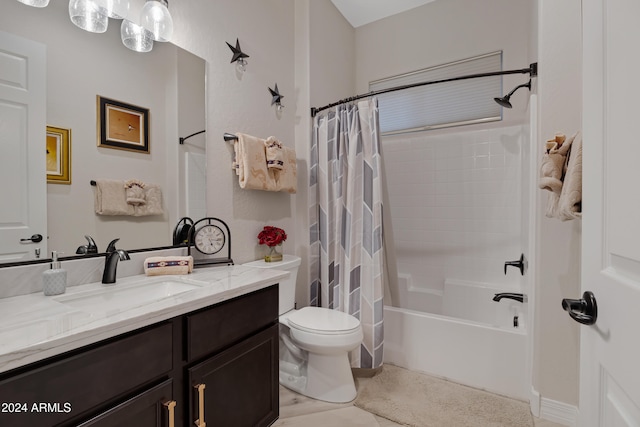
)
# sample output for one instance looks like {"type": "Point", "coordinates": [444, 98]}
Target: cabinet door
{"type": "Point", "coordinates": [152, 408]}
{"type": "Point", "coordinates": [240, 384]}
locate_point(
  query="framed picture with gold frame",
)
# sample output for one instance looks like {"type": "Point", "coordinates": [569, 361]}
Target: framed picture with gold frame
{"type": "Point", "coordinates": [58, 155]}
{"type": "Point", "coordinates": [122, 126]}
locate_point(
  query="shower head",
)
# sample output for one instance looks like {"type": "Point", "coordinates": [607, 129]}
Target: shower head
{"type": "Point", "coordinates": [504, 101]}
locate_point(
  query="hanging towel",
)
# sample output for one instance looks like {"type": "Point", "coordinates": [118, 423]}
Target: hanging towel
{"type": "Point", "coordinates": [251, 164]}
{"type": "Point", "coordinates": [274, 154]}
{"type": "Point", "coordinates": [153, 202]}
{"type": "Point", "coordinates": [570, 202]}
{"type": "Point", "coordinates": [287, 179]}
{"type": "Point", "coordinates": [553, 164]}
{"type": "Point", "coordinates": [134, 191]}
{"type": "Point", "coordinates": [110, 198]}
{"type": "Point", "coordinates": [159, 265]}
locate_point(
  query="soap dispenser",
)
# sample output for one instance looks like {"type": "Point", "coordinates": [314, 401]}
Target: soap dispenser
{"type": "Point", "coordinates": [54, 281]}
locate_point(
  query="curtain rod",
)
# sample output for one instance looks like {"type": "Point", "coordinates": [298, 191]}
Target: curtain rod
{"type": "Point", "coordinates": [532, 71]}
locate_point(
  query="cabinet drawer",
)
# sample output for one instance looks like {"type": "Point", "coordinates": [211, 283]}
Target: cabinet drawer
{"type": "Point", "coordinates": [144, 410]}
{"type": "Point", "coordinates": [231, 321]}
{"type": "Point", "coordinates": [66, 389]}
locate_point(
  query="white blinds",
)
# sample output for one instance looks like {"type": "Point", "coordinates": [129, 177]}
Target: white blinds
{"type": "Point", "coordinates": [442, 104]}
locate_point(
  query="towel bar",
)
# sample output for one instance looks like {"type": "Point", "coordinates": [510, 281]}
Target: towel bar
{"type": "Point", "coordinates": [228, 137]}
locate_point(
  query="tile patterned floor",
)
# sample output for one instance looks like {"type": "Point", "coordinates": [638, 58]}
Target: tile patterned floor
{"type": "Point", "coordinates": [300, 411]}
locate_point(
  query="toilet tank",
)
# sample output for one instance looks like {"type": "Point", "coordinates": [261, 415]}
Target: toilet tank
{"type": "Point", "coordinates": [287, 287]}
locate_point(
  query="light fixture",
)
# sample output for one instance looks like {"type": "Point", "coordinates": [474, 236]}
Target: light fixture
{"type": "Point", "coordinates": [276, 98]}
{"type": "Point", "coordinates": [135, 37]}
{"type": "Point", "coordinates": [35, 3]}
{"type": "Point", "coordinates": [112, 7]}
{"type": "Point", "coordinates": [156, 18]}
{"type": "Point", "coordinates": [87, 15]}
{"type": "Point", "coordinates": [238, 56]}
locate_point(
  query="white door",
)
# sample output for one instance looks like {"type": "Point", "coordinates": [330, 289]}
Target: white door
{"type": "Point", "coordinates": [23, 185]}
{"type": "Point", "coordinates": [610, 349]}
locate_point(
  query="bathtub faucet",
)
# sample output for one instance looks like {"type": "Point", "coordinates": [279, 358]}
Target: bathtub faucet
{"type": "Point", "coordinates": [509, 295]}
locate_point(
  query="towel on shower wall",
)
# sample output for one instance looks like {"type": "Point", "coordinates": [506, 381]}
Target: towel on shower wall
{"type": "Point", "coordinates": [570, 201]}
{"type": "Point", "coordinates": [160, 265]}
{"type": "Point", "coordinates": [251, 164]}
{"type": "Point", "coordinates": [273, 149]}
{"type": "Point", "coordinates": [287, 178]}
{"type": "Point", "coordinates": [110, 198]}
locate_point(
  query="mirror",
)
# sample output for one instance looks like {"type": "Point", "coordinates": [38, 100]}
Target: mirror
{"type": "Point", "coordinates": [168, 81]}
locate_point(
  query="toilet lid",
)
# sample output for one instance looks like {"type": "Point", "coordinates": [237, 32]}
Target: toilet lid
{"type": "Point", "coordinates": [323, 321]}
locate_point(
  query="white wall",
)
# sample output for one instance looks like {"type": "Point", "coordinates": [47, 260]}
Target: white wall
{"type": "Point", "coordinates": [455, 208]}
{"type": "Point", "coordinates": [557, 337]}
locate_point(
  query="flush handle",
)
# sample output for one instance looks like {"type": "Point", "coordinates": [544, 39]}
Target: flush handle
{"type": "Point", "coordinates": [583, 310]}
{"type": "Point", "coordinates": [36, 238]}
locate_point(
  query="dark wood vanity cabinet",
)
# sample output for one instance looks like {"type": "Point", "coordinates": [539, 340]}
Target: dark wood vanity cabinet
{"type": "Point", "coordinates": [218, 365]}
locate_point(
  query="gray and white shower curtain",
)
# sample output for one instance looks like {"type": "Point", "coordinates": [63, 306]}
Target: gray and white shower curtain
{"type": "Point", "coordinates": [345, 208]}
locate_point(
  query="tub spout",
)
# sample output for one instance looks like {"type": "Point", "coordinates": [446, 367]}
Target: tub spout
{"type": "Point", "coordinates": [509, 295]}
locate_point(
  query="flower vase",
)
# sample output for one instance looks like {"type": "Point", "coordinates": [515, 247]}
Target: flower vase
{"type": "Point", "coordinates": [274, 254]}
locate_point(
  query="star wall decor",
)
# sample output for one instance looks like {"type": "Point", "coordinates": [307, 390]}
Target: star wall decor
{"type": "Point", "coordinates": [238, 54]}
{"type": "Point", "coordinates": [276, 98]}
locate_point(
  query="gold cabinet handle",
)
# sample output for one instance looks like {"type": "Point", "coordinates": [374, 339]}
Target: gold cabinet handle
{"type": "Point", "coordinates": [200, 421]}
{"type": "Point", "coordinates": [170, 405]}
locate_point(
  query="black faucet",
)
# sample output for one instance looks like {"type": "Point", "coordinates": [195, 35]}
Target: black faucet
{"type": "Point", "coordinates": [89, 248]}
{"type": "Point", "coordinates": [111, 262]}
{"type": "Point", "coordinates": [509, 295]}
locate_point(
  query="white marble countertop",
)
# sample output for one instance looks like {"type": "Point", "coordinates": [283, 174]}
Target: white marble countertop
{"type": "Point", "coordinates": [34, 327]}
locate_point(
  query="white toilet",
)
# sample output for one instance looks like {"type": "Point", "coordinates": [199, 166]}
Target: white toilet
{"type": "Point", "coordinates": [314, 342]}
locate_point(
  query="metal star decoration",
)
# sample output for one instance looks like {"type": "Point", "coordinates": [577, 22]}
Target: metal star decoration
{"type": "Point", "coordinates": [238, 54]}
{"type": "Point", "coordinates": [276, 97]}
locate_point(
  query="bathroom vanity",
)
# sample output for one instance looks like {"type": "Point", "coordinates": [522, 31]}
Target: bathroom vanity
{"type": "Point", "coordinates": [206, 355]}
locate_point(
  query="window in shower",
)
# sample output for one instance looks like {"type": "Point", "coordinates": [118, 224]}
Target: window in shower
{"type": "Point", "coordinates": [441, 105]}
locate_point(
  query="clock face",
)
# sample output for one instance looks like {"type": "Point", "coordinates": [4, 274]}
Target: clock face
{"type": "Point", "coordinates": [209, 239]}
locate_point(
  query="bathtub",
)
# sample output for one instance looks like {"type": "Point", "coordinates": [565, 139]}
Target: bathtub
{"type": "Point", "coordinates": [483, 350]}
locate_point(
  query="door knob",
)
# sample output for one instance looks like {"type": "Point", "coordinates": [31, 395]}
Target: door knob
{"type": "Point", "coordinates": [33, 239]}
{"type": "Point", "coordinates": [583, 310]}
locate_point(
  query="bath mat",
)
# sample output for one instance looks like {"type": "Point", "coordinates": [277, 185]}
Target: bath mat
{"type": "Point", "coordinates": [420, 400]}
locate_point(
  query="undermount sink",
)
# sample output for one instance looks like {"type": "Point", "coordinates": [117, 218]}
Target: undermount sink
{"type": "Point", "coordinates": [122, 297]}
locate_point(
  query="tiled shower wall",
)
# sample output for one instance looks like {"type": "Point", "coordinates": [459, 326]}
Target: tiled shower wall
{"type": "Point", "coordinates": [455, 207]}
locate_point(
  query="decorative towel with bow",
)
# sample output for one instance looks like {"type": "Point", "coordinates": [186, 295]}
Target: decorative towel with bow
{"type": "Point", "coordinates": [132, 198]}
{"type": "Point", "coordinates": [561, 174]}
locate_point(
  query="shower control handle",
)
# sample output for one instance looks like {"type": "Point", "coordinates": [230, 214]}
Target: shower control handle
{"type": "Point", "coordinates": [583, 310]}
{"type": "Point", "coordinates": [521, 264]}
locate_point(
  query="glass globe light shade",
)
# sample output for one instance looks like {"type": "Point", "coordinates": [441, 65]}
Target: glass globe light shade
{"type": "Point", "coordinates": [135, 37]}
{"type": "Point", "coordinates": [35, 3]}
{"type": "Point", "coordinates": [116, 9]}
{"type": "Point", "coordinates": [156, 18]}
{"type": "Point", "coordinates": [86, 14]}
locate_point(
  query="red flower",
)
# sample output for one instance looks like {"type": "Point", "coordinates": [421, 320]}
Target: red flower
{"type": "Point", "coordinates": [271, 236]}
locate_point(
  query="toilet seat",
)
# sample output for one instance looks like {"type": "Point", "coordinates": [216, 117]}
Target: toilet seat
{"type": "Point", "coordinates": [323, 321]}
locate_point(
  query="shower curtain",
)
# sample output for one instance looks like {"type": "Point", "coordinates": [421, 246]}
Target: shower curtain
{"type": "Point", "coordinates": [345, 209]}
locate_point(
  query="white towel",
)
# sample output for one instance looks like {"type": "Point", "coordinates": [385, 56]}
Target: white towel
{"type": "Point", "coordinates": [274, 154]}
{"type": "Point", "coordinates": [251, 164]}
{"type": "Point", "coordinates": [110, 198]}
{"type": "Point", "coordinates": [287, 179]}
{"type": "Point", "coordinates": [570, 202]}
{"type": "Point", "coordinates": [153, 202]}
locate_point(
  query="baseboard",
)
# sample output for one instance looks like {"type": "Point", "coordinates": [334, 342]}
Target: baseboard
{"type": "Point", "coordinates": [558, 412]}
{"type": "Point", "coordinates": [534, 402]}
